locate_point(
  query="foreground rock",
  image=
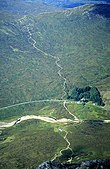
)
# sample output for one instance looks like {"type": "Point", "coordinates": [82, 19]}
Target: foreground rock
{"type": "Point", "coordinates": [92, 164]}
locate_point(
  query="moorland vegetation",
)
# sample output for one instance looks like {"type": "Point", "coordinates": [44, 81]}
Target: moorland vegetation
{"type": "Point", "coordinates": [32, 47]}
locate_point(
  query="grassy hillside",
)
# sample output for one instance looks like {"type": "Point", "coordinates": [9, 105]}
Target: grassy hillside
{"type": "Point", "coordinates": [28, 144]}
{"type": "Point", "coordinates": [34, 49]}
{"type": "Point", "coordinates": [32, 142]}
{"type": "Point", "coordinates": [83, 48]}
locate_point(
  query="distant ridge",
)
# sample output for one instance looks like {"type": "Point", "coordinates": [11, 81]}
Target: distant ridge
{"type": "Point", "coordinates": [23, 7]}
{"type": "Point", "coordinates": [70, 3]}
{"type": "Point", "coordinates": [102, 9]}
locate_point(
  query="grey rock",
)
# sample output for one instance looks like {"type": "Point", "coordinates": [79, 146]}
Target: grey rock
{"type": "Point", "coordinates": [92, 164]}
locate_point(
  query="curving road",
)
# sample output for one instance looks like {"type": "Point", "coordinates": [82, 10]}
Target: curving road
{"type": "Point", "coordinates": [33, 101]}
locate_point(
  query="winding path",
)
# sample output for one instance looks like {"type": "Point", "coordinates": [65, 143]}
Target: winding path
{"type": "Point", "coordinates": [57, 60]}
{"type": "Point", "coordinates": [67, 148]}
{"type": "Point", "coordinates": [47, 119]}
{"type": "Point", "coordinates": [75, 118]}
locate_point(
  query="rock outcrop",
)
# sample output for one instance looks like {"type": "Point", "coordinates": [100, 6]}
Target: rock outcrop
{"type": "Point", "coordinates": [92, 164]}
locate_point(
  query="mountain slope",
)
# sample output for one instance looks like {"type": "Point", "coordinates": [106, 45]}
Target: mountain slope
{"type": "Point", "coordinates": [79, 37]}
{"type": "Point", "coordinates": [22, 7]}
{"type": "Point", "coordinates": [43, 56]}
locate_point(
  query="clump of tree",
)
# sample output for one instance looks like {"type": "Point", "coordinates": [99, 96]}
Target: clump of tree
{"type": "Point", "coordinates": [86, 94]}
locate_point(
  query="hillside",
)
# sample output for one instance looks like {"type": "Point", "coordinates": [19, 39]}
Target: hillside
{"type": "Point", "coordinates": [25, 7]}
{"type": "Point", "coordinates": [44, 53]}
{"type": "Point", "coordinates": [82, 47]}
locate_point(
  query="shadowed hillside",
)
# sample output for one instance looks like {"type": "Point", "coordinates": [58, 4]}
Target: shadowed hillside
{"type": "Point", "coordinates": [103, 10]}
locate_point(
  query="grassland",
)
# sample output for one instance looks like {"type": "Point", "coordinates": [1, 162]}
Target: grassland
{"type": "Point", "coordinates": [80, 39]}
{"type": "Point", "coordinates": [31, 142]}
{"type": "Point", "coordinates": [90, 141]}
{"type": "Point", "coordinates": [83, 48]}
{"type": "Point", "coordinates": [28, 145]}
{"type": "Point", "coordinates": [89, 111]}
